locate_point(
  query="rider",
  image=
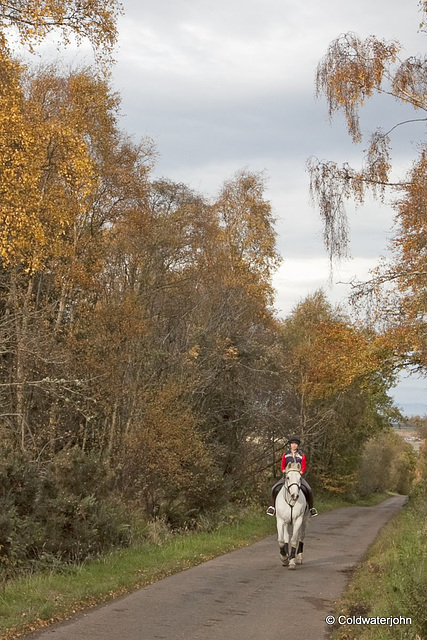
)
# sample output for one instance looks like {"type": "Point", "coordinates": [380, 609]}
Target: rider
{"type": "Point", "coordinates": [293, 454]}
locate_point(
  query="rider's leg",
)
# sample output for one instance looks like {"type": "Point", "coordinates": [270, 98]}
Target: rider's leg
{"type": "Point", "coordinates": [309, 493]}
{"type": "Point", "coordinates": [274, 491]}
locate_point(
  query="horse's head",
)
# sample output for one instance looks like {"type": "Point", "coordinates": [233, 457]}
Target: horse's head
{"type": "Point", "coordinates": [293, 479]}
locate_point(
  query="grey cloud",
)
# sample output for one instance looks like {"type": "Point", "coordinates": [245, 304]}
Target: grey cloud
{"type": "Point", "coordinates": [231, 84]}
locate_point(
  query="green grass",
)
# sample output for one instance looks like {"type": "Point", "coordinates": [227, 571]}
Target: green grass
{"type": "Point", "coordinates": [392, 581]}
{"type": "Point", "coordinates": [35, 601]}
{"type": "Point", "coordinates": [32, 602]}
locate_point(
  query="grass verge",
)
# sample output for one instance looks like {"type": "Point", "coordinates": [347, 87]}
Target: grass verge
{"type": "Point", "coordinates": [392, 581]}
{"type": "Point", "coordinates": [34, 602]}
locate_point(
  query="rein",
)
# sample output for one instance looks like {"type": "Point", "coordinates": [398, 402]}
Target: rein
{"type": "Point", "coordinates": [292, 501]}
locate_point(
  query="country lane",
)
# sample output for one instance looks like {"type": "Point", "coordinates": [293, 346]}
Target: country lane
{"type": "Point", "coordinates": [245, 594]}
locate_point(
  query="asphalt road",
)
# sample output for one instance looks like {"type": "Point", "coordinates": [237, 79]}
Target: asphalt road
{"type": "Point", "coordinates": [246, 594]}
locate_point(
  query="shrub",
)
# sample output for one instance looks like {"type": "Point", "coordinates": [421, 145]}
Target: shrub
{"type": "Point", "coordinates": [61, 512]}
{"type": "Point", "coordinates": [388, 464]}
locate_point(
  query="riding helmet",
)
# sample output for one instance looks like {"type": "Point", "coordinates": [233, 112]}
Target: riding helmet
{"type": "Point", "coordinates": [294, 439]}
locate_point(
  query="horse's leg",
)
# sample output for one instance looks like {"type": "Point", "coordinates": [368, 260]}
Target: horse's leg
{"type": "Point", "coordinates": [295, 541]}
{"type": "Point", "coordinates": [300, 548]}
{"type": "Point", "coordinates": [283, 539]}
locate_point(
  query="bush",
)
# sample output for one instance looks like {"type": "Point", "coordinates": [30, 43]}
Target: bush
{"type": "Point", "coordinates": [63, 512]}
{"type": "Point", "coordinates": [388, 464]}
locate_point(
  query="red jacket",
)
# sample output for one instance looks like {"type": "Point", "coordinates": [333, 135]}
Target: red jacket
{"type": "Point", "coordinates": [288, 457]}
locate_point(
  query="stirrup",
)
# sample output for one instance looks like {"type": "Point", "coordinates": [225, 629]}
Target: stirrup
{"type": "Point", "coordinates": [271, 511]}
{"type": "Point", "coordinates": [313, 512]}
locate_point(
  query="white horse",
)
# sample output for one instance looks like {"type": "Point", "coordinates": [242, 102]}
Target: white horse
{"type": "Point", "coordinates": [291, 516]}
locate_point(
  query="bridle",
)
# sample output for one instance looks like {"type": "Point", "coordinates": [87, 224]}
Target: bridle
{"type": "Point", "coordinates": [292, 501]}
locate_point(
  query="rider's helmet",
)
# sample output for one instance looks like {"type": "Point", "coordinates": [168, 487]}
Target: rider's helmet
{"type": "Point", "coordinates": [296, 439]}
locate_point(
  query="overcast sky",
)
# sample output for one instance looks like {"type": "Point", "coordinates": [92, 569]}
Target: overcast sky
{"type": "Point", "coordinates": [225, 85]}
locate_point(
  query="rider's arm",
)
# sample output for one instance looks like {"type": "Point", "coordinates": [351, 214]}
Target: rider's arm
{"type": "Point", "coordinates": [303, 463]}
{"type": "Point", "coordinates": [283, 465]}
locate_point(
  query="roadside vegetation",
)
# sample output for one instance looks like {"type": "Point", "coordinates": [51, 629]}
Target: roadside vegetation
{"type": "Point", "coordinates": [34, 601]}
{"type": "Point", "coordinates": [144, 374]}
{"type": "Point", "coordinates": [147, 386]}
{"type": "Point", "coordinates": [392, 581]}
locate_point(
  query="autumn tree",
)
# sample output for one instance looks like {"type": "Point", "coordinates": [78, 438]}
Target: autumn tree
{"type": "Point", "coordinates": [203, 302]}
{"type": "Point", "coordinates": [353, 71]}
{"type": "Point", "coordinates": [62, 185]}
{"type": "Point", "coordinates": [404, 304]}
{"type": "Point", "coordinates": [235, 337]}
{"type": "Point", "coordinates": [247, 224]}
{"type": "Point", "coordinates": [337, 389]}
{"type": "Point", "coordinates": [388, 464]}
{"type": "Point", "coordinates": [170, 311]}
{"type": "Point", "coordinates": [95, 20]}
{"type": "Point", "coordinates": [136, 329]}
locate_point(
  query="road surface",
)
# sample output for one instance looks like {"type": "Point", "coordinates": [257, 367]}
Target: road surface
{"type": "Point", "coordinates": [245, 594]}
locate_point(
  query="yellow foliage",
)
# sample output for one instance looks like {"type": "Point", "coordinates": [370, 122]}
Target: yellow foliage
{"type": "Point", "coordinates": [48, 173]}
{"type": "Point", "coordinates": [92, 19]}
{"type": "Point", "coordinates": [330, 352]}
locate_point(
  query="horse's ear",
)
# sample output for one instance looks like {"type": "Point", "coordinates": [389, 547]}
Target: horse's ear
{"type": "Point", "coordinates": [298, 465]}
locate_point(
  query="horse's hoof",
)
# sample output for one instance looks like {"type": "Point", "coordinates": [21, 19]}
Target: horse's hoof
{"type": "Point", "coordinates": [292, 565]}
{"type": "Point", "coordinates": [299, 558]}
{"type": "Point", "coordinates": [284, 560]}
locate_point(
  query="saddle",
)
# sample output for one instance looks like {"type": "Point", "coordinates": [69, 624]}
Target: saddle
{"type": "Point", "coordinates": [280, 484]}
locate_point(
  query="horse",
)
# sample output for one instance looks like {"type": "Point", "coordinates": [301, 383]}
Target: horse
{"type": "Point", "coordinates": [291, 517]}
